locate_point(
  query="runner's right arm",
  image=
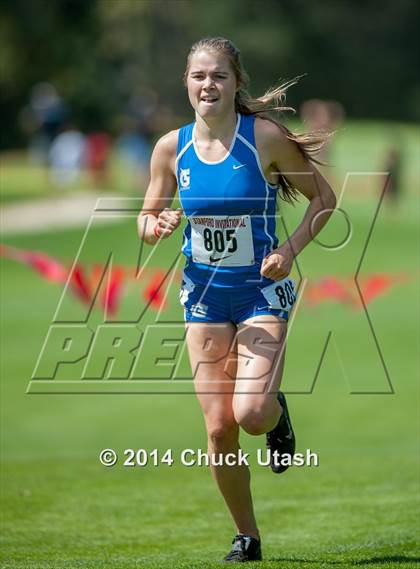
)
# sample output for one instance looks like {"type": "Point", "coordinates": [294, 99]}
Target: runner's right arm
{"type": "Point", "coordinates": [156, 220]}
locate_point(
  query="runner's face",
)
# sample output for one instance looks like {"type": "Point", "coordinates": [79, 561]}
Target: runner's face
{"type": "Point", "coordinates": [211, 84]}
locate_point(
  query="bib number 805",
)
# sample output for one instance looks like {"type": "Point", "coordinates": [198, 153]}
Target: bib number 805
{"type": "Point", "coordinates": [217, 240]}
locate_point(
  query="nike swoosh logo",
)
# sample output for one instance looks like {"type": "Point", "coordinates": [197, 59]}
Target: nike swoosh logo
{"type": "Point", "coordinates": [240, 166]}
{"type": "Point", "coordinates": [213, 260]}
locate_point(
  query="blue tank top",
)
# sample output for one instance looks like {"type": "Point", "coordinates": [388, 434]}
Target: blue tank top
{"type": "Point", "coordinates": [230, 208]}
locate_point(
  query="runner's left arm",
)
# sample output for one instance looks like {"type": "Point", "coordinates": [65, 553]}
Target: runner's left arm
{"type": "Point", "coordinates": [287, 158]}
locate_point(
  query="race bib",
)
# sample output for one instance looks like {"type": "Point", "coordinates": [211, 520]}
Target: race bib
{"type": "Point", "coordinates": [281, 294]}
{"type": "Point", "coordinates": [222, 240]}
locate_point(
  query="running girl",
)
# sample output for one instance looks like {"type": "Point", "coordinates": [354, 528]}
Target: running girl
{"type": "Point", "coordinates": [228, 166]}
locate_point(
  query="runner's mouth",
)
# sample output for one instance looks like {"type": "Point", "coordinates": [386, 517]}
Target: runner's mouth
{"type": "Point", "coordinates": [209, 99]}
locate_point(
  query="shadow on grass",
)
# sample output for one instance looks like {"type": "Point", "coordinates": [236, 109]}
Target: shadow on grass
{"type": "Point", "coordinates": [388, 559]}
{"type": "Point", "coordinates": [372, 561]}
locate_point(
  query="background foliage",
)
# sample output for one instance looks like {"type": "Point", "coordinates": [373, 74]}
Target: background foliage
{"type": "Point", "coordinates": [99, 52]}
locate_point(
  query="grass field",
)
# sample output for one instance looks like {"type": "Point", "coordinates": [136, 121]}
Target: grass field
{"type": "Point", "coordinates": [358, 146]}
{"type": "Point", "coordinates": [359, 507]}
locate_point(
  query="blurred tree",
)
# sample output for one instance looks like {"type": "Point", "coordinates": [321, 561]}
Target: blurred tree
{"type": "Point", "coordinates": [98, 53]}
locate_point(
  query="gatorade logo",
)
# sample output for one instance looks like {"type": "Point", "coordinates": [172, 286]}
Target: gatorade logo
{"type": "Point", "coordinates": [184, 178]}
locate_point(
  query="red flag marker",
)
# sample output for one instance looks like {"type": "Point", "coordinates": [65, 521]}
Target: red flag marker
{"type": "Point", "coordinates": [154, 293]}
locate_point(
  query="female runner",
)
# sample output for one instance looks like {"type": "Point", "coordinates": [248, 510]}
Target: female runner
{"type": "Point", "coordinates": [228, 167]}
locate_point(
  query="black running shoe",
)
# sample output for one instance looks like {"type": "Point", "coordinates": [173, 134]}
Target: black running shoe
{"type": "Point", "coordinates": [281, 438]}
{"type": "Point", "coordinates": [245, 548]}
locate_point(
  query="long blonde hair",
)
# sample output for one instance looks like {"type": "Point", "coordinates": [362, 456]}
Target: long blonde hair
{"type": "Point", "coordinates": [309, 143]}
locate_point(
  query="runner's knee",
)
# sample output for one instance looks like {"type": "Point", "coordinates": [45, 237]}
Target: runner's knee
{"type": "Point", "coordinates": [253, 419]}
{"type": "Point", "coordinates": [221, 430]}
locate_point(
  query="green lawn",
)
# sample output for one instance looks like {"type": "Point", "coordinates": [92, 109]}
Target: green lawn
{"type": "Point", "coordinates": [358, 146]}
{"type": "Point", "coordinates": [359, 507]}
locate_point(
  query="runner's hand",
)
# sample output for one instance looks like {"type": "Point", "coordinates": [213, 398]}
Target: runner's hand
{"type": "Point", "coordinates": [167, 221]}
{"type": "Point", "coordinates": [278, 264]}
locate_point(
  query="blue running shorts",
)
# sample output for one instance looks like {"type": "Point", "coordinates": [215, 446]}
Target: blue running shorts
{"type": "Point", "coordinates": [204, 303]}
